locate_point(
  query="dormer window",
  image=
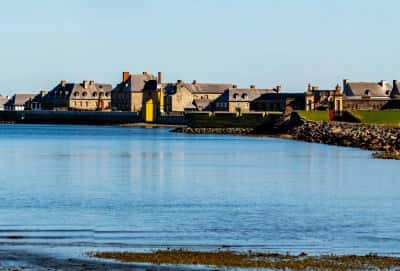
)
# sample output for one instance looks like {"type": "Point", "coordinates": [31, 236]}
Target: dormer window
{"type": "Point", "coordinates": [367, 92]}
{"type": "Point", "coordinates": [235, 96]}
{"type": "Point", "coordinates": [76, 93]}
{"type": "Point", "coordinates": [387, 92]}
{"type": "Point", "coordinates": [94, 94]}
{"type": "Point", "coordinates": [84, 94]}
{"type": "Point", "coordinates": [245, 96]}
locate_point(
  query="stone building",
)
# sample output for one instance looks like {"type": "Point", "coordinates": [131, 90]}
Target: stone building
{"type": "Point", "coordinates": [181, 96]}
{"type": "Point", "coordinates": [367, 95]}
{"type": "Point", "coordinates": [277, 101]}
{"type": "Point", "coordinates": [324, 99]}
{"type": "Point", "coordinates": [19, 102]}
{"type": "Point", "coordinates": [128, 95]}
{"type": "Point", "coordinates": [239, 99]}
{"type": "Point", "coordinates": [85, 96]}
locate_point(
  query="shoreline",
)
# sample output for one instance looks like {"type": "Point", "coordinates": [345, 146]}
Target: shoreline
{"type": "Point", "coordinates": [190, 260]}
{"type": "Point", "coordinates": [250, 260]}
{"type": "Point", "coordinates": [384, 140]}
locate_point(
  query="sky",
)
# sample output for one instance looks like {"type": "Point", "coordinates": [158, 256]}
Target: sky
{"type": "Point", "coordinates": [261, 42]}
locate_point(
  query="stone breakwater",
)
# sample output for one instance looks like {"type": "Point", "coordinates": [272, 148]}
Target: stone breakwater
{"type": "Point", "coordinates": [233, 131]}
{"type": "Point", "coordinates": [369, 137]}
{"type": "Point", "coordinates": [384, 140]}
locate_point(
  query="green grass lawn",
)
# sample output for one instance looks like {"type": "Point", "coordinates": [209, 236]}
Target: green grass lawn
{"type": "Point", "coordinates": [314, 115]}
{"type": "Point", "coordinates": [390, 117]}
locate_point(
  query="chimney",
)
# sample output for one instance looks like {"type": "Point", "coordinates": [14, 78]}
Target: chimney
{"type": "Point", "coordinates": [43, 93]}
{"type": "Point", "coordinates": [382, 83]}
{"type": "Point", "coordinates": [179, 81]}
{"type": "Point", "coordinates": [395, 83]}
{"type": "Point", "coordinates": [234, 86]}
{"type": "Point", "coordinates": [278, 89]}
{"type": "Point", "coordinates": [345, 81]}
{"type": "Point", "coordinates": [63, 83]}
{"type": "Point", "coordinates": [91, 82]}
{"type": "Point", "coordinates": [125, 76]}
{"type": "Point", "coordinates": [159, 78]}
{"type": "Point", "coordinates": [309, 88]}
{"type": "Point", "coordinates": [252, 86]}
{"type": "Point", "coordinates": [194, 82]}
{"type": "Point", "coordinates": [144, 73]}
{"type": "Point", "coordinates": [85, 84]}
{"type": "Point", "coordinates": [338, 89]}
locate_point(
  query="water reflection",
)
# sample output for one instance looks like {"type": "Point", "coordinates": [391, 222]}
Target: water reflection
{"type": "Point", "coordinates": [124, 187]}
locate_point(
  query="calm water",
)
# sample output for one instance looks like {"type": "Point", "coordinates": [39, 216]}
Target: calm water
{"type": "Point", "coordinates": [133, 188]}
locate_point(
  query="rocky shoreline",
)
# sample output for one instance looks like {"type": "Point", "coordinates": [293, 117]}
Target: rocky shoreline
{"type": "Point", "coordinates": [384, 140]}
{"type": "Point", "coordinates": [218, 131]}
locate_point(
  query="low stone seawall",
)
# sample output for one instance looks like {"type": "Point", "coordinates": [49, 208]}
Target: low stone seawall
{"type": "Point", "coordinates": [369, 137]}
{"type": "Point", "coordinates": [233, 131]}
{"type": "Point", "coordinates": [87, 118]}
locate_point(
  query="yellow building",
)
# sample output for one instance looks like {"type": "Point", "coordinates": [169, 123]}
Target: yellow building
{"type": "Point", "coordinates": [128, 95]}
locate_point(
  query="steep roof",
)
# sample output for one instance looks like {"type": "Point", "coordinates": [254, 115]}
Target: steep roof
{"type": "Point", "coordinates": [371, 89]}
{"type": "Point", "coordinates": [396, 89]}
{"type": "Point", "coordinates": [243, 94]}
{"type": "Point", "coordinates": [137, 83]}
{"type": "Point", "coordinates": [202, 103]}
{"type": "Point", "coordinates": [207, 87]}
{"type": "Point", "coordinates": [20, 99]}
{"type": "Point", "coordinates": [92, 90]}
{"type": "Point", "coordinates": [3, 100]}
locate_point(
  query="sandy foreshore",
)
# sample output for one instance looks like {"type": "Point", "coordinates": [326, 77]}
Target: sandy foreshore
{"type": "Point", "coordinates": [180, 260]}
{"type": "Point", "coordinates": [11, 260]}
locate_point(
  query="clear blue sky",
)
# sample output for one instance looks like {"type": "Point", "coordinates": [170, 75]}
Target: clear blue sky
{"type": "Point", "coordinates": [261, 42]}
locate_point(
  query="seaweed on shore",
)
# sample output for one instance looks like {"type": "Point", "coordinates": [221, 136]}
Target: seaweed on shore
{"type": "Point", "coordinates": [256, 260]}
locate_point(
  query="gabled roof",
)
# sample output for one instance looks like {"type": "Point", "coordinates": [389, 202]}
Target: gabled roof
{"type": "Point", "coordinates": [138, 83]}
{"type": "Point", "coordinates": [3, 100]}
{"type": "Point", "coordinates": [371, 89]}
{"type": "Point", "coordinates": [243, 94]}
{"type": "Point", "coordinates": [396, 90]}
{"type": "Point", "coordinates": [202, 103]}
{"type": "Point", "coordinates": [207, 87]}
{"type": "Point", "coordinates": [20, 99]}
{"type": "Point", "coordinates": [79, 91]}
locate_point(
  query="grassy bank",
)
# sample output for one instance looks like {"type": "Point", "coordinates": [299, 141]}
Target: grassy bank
{"type": "Point", "coordinates": [314, 115]}
{"type": "Point", "coordinates": [385, 117]}
{"type": "Point", "coordinates": [256, 260]}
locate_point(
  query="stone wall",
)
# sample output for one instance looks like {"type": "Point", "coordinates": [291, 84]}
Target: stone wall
{"type": "Point", "coordinates": [369, 137]}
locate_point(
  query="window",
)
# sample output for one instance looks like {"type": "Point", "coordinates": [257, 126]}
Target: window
{"type": "Point", "coordinates": [101, 94]}
{"type": "Point", "coordinates": [244, 96]}
{"type": "Point", "coordinates": [367, 92]}
{"type": "Point", "coordinates": [235, 96]}
{"type": "Point", "coordinates": [76, 93]}
{"type": "Point", "coordinates": [94, 94]}
{"type": "Point", "coordinates": [107, 94]}
{"type": "Point", "coordinates": [84, 94]}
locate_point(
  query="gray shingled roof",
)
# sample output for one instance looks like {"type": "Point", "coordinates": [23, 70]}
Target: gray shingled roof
{"type": "Point", "coordinates": [202, 103]}
{"type": "Point", "coordinates": [371, 89]}
{"type": "Point", "coordinates": [137, 83]}
{"type": "Point", "coordinates": [20, 99]}
{"type": "Point", "coordinates": [207, 87]}
{"type": "Point", "coordinates": [396, 90]}
{"type": "Point", "coordinates": [77, 90]}
{"type": "Point", "coordinates": [243, 94]}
